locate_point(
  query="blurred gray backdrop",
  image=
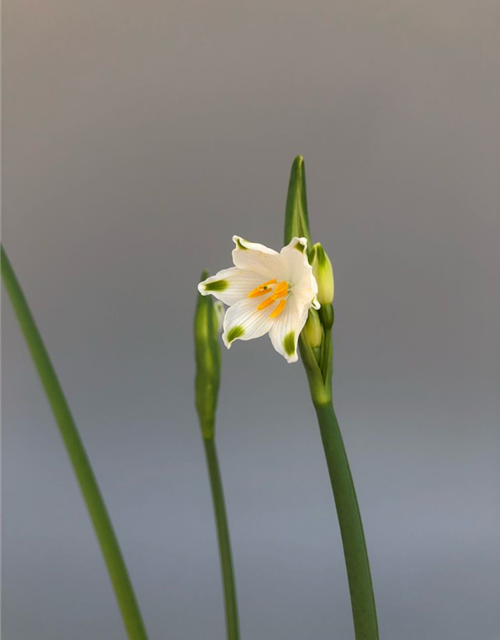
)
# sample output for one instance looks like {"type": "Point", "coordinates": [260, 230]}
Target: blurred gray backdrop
{"type": "Point", "coordinates": [138, 137]}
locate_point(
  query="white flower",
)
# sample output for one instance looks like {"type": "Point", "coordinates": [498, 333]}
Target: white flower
{"type": "Point", "coordinates": [267, 292]}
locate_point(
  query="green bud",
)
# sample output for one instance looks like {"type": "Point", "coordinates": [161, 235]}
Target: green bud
{"type": "Point", "coordinates": [207, 321]}
{"type": "Point", "coordinates": [313, 331]}
{"type": "Point", "coordinates": [323, 272]}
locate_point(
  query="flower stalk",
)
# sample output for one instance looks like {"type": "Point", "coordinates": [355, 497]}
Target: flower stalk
{"type": "Point", "coordinates": [318, 363]}
{"type": "Point", "coordinates": [89, 487]}
{"type": "Point", "coordinates": [207, 381]}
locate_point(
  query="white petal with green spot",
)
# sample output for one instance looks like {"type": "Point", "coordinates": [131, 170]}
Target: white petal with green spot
{"type": "Point", "coordinates": [267, 292]}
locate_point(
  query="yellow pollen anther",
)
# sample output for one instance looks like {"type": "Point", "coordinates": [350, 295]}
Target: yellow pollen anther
{"type": "Point", "coordinates": [260, 291]}
{"type": "Point", "coordinates": [267, 303]}
{"type": "Point", "coordinates": [279, 309]}
{"type": "Point", "coordinates": [281, 290]}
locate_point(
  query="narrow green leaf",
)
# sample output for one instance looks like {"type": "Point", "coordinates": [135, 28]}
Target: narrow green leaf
{"type": "Point", "coordinates": [89, 487]}
{"type": "Point", "coordinates": [296, 216]}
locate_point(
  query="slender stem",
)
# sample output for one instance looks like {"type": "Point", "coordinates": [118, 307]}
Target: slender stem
{"type": "Point", "coordinates": [351, 527]}
{"type": "Point", "coordinates": [226, 561]}
{"type": "Point", "coordinates": [88, 484]}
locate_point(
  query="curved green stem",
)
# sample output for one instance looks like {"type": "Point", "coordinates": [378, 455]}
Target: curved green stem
{"type": "Point", "coordinates": [351, 527]}
{"type": "Point", "coordinates": [226, 561]}
{"type": "Point", "coordinates": [319, 368]}
{"type": "Point", "coordinates": [88, 484]}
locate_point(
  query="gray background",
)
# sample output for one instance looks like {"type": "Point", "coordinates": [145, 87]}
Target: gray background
{"type": "Point", "coordinates": [138, 137]}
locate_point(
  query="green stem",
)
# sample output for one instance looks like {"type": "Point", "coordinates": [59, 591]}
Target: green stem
{"type": "Point", "coordinates": [226, 561]}
{"type": "Point", "coordinates": [351, 527]}
{"type": "Point", "coordinates": [88, 484]}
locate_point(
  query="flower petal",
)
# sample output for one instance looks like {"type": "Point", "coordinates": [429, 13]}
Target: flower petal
{"type": "Point", "coordinates": [230, 285]}
{"type": "Point", "coordinates": [259, 259]}
{"type": "Point", "coordinates": [286, 329]}
{"type": "Point", "coordinates": [243, 322]}
{"type": "Point", "coordinates": [302, 296]}
{"type": "Point", "coordinates": [305, 287]}
{"type": "Point", "coordinates": [295, 254]}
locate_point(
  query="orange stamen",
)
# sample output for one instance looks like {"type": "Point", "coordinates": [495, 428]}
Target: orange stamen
{"type": "Point", "coordinates": [279, 309]}
{"type": "Point", "coordinates": [281, 290]}
{"type": "Point", "coordinates": [260, 291]}
{"type": "Point", "coordinates": [257, 292]}
{"type": "Point", "coordinates": [267, 303]}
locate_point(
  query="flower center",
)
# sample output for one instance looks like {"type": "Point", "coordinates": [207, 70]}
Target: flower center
{"type": "Point", "coordinates": [276, 292]}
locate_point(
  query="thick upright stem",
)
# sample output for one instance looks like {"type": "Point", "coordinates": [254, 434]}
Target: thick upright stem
{"type": "Point", "coordinates": [226, 560]}
{"type": "Point", "coordinates": [88, 484]}
{"type": "Point", "coordinates": [351, 527]}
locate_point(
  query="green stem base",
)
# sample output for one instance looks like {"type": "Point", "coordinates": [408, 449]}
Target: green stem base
{"type": "Point", "coordinates": [351, 527]}
{"type": "Point", "coordinates": [226, 560]}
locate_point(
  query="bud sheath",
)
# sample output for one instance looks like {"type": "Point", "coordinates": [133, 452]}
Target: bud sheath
{"type": "Point", "coordinates": [313, 331]}
{"type": "Point", "coordinates": [208, 361]}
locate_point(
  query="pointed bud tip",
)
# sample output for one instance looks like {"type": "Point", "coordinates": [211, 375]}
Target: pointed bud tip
{"type": "Point", "coordinates": [298, 164]}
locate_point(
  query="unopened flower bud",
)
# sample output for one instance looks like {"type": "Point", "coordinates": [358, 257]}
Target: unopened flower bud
{"type": "Point", "coordinates": [323, 272]}
{"type": "Point", "coordinates": [207, 321]}
{"type": "Point", "coordinates": [313, 330]}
